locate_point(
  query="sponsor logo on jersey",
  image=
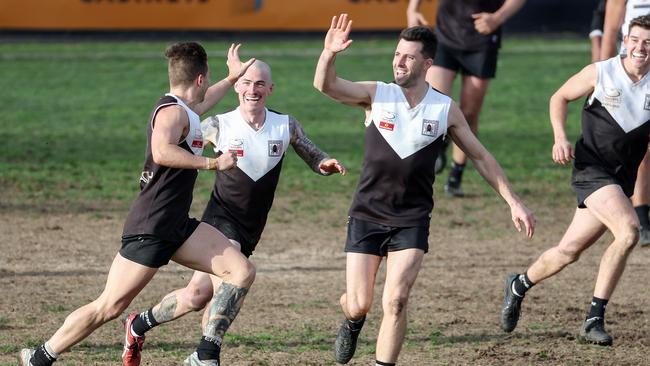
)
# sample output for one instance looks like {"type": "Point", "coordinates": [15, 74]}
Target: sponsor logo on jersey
{"type": "Point", "coordinates": [197, 138]}
{"type": "Point", "coordinates": [275, 148]}
{"type": "Point", "coordinates": [612, 97]}
{"type": "Point", "coordinates": [236, 146]}
{"type": "Point", "coordinates": [430, 127]}
{"type": "Point", "coordinates": [386, 125]}
{"type": "Point", "coordinates": [387, 121]}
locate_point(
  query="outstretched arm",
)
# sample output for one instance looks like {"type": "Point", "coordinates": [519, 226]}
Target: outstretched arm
{"type": "Point", "coordinates": [316, 158]}
{"type": "Point", "coordinates": [217, 91]}
{"type": "Point", "coordinates": [577, 86]}
{"type": "Point", "coordinates": [614, 16]}
{"type": "Point", "coordinates": [487, 23]}
{"type": "Point", "coordinates": [489, 169]}
{"type": "Point", "coordinates": [325, 78]}
{"type": "Point", "coordinates": [413, 16]}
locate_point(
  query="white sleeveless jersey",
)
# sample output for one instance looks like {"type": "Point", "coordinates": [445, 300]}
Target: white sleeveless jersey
{"type": "Point", "coordinates": [258, 152]}
{"type": "Point", "coordinates": [407, 129]}
{"type": "Point", "coordinates": [633, 9]}
{"type": "Point", "coordinates": [627, 102]}
{"type": "Point", "coordinates": [194, 137]}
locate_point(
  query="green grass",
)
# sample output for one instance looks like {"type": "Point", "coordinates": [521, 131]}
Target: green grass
{"type": "Point", "coordinates": [73, 127]}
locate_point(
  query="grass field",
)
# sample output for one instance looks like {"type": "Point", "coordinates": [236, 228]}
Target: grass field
{"type": "Point", "coordinates": [74, 113]}
{"type": "Point", "coordinates": [73, 132]}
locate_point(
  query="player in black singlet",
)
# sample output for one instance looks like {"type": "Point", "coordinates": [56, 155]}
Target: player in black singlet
{"type": "Point", "coordinates": [242, 197]}
{"type": "Point", "coordinates": [469, 37]}
{"type": "Point", "coordinates": [614, 140]}
{"type": "Point", "coordinates": [158, 227]}
{"type": "Point", "coordinates": [391, 209]}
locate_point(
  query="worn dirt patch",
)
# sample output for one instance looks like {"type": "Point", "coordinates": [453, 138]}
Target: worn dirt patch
{"type": "Point", "coordinates": [51, 263]}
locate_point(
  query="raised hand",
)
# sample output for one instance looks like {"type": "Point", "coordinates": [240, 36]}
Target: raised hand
{"type": "Point", "coordinates": [337, 39]}
{"type": "Point", "coordinates": [235, 67]}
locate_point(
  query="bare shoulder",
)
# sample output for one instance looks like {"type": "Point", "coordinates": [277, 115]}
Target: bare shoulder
{"type": "Point", "coordinates": [171, 115]}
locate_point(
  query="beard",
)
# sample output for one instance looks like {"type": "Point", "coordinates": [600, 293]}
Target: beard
{"type": "Point", "coordinates": [407, 82]}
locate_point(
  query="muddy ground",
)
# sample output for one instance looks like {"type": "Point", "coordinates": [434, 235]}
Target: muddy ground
{"type": "Point", "coordinates": [52, 261]}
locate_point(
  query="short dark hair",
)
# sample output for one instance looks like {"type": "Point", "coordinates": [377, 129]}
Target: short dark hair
{"type": "Point", "coordinates": [642, 21]}
{"type": "Point", "coordinates": [187, 60]}
{"type": "Point", "coordinates": [423, 35]}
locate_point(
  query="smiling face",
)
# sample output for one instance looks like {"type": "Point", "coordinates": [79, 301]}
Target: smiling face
{"type": "Point", "coordinates": [254, 86]}
{"type": "Point", "coordinates": [637, 43]}
{"type": "Point", "coordinates": [409, 65]}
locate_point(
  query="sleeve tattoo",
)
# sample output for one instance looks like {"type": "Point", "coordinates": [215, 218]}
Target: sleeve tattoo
{"type": "Point", "coordinates": [304, 147]}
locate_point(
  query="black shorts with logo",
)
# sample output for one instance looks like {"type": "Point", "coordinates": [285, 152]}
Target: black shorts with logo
{"type": "Point", "coordinates": [479, 63]}
{"type": "Point", "coordinates": [215, 216]}
{"type": "Point", "coordinates": [152, 251]}
{"type": "Point", "coordinates": [371, 238]}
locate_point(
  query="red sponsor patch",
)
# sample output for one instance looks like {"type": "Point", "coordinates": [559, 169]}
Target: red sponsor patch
{"type": "Point", "coordinates": [239, 152]}
{"type": "Point", "coordinates": [197, 143]}
{"type": "Point", "coordinates": [386, 125]}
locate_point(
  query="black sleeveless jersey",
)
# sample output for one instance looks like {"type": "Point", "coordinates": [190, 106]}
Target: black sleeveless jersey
{"type": "Point", "coordinates": [615, 124]}
{"type": "Point", "coordinates": [401, 146]}
{"type": "Point", "coordinates": [162, 206]}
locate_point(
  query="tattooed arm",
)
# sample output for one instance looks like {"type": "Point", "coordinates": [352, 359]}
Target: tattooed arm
{"type": "Point", "coordinates": [316, 158]}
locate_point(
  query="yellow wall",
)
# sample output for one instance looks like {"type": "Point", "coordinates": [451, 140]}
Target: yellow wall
{"type": "Point", "coordinates": [287, 15]}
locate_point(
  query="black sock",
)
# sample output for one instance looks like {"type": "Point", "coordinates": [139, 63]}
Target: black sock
{"type": "Point", "coordinates": [209, 348]}
{"type": "Point", "coordinates": [356, 325]}
{"type": "Point", "coordinates": [521, 284]}
{"type": "Point", "coordinates": [456, 174]}
{"type": "Point", "coordinates": [379, 363]}
{"type": "Point", "coordinates": [41, 357]}
{"type": "Point", "coordinates": [642, 213]}
{"type": "Point", "coordinates": [144, 322]}
{"type": "Point", "coordinates": [597, 309]}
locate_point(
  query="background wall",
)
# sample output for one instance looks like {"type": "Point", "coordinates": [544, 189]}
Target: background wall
{"type": "Point", "coordinates": [261, 15]}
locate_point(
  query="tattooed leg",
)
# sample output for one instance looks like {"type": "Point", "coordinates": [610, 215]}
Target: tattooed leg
{"type": "Point", "coordinates": [174, 305]}
{"type": "Point", "coordinates": [226, 303]}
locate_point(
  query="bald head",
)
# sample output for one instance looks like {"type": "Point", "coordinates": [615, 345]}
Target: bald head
{"type": "Point", "coordinates": [259, 69]}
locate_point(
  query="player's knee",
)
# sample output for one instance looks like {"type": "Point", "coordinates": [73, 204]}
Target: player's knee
{"type": "Point", "coordinates": [395, 306]}
{"type": "Point", "coordinates": [358, 307]}
{"type": "Point", "coordinates": [107, 311]}
{"type": "Point", "coordinates": [244, 275]}
{"type": "Point", "coordinates": [628, 237]}
{"type": "Point", "coordinates": [195, 297]}
{"type": "Point", "coordinates": [569, 254]}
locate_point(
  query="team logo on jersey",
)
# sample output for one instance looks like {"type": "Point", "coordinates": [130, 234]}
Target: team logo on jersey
{"type": "Point", "coordinates": [236, 146]}
{"type": "Point", "coordinates": [612, 97]}
{"type": "Point", "coordinates": [275, 148]}
{"type": "Point", "coordinates": [646, 104]}
{"type": "Point", "coordinates": [430, 127]}
{"type": "Point", "coordinates": [387, 121]}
